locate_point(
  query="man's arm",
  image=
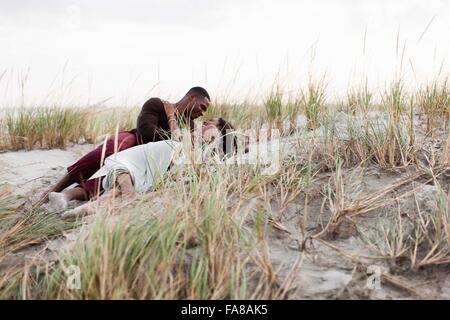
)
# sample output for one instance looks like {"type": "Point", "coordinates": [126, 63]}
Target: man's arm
{"type": "Point", "coordinates": [147, 123]}
{"type": "Point", "coordinates": [172, 119]}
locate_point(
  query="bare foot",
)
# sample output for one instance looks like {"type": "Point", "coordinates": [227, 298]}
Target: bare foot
{"type": "Point", "coordinates": [78, 212]}
{"type": "Point", "coordinates": [43, 199]}
{"type": "Point", "coordinates": [58, 201]}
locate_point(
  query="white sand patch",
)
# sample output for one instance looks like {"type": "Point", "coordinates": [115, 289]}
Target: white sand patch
{"type": "Point", "coordinates": [30, 172]}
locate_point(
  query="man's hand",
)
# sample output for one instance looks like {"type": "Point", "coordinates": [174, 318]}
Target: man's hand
{"type": "Point", "coordinates": [170, 110]}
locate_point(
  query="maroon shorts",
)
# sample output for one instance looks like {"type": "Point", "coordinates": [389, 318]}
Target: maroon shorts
{"type": "Point", "coordinates": [90, 163]}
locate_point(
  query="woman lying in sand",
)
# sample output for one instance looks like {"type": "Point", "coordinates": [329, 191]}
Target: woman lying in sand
{"type": "Point", "coordinates": [157, 121]}
{"type": "Point", "coordinates": [135, 170]}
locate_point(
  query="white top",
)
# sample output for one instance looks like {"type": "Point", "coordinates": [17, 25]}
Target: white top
{"type": "Point", "coordinates": [144, 163]}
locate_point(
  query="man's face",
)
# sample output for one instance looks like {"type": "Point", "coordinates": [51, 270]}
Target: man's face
{"type": "Point", "coordinates": [197, 106]}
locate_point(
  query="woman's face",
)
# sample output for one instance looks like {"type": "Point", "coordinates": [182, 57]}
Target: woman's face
{"type": "Point", "coordinates": [213, 121]}
{"type": "Point", "coordinates": [207, 133]}
{"type": "Point", "coordinates": [210, 133]}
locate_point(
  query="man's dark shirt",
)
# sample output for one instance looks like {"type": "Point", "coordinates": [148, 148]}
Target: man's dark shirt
{"type": "Point", "coordinates": [152, 122]}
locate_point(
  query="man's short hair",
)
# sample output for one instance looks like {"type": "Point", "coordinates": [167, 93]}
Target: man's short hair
{"type": "Point", "coordinates": [198, 91]}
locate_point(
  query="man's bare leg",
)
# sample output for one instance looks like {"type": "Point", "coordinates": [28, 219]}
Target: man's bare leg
{"type": "Point", "coordinates": [63, 183]}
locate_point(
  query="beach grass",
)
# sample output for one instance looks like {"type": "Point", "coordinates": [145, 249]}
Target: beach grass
{"type": "Point", "coordinates": [57, 127]}
{"type": "Point", "coordinates": [206, 231]}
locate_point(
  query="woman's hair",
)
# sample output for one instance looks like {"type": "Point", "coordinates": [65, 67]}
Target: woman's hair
{"type": "Point", "coordinates": [228, 133]}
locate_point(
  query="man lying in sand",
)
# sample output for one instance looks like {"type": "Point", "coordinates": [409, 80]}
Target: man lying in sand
{"type": "Point", "coordinates": [157, 121]}
{"type": "Point", "coordinates": [136, 169]}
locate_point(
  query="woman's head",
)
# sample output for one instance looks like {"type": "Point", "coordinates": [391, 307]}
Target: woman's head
{"type": "Point", "coordinates": [221, 132]}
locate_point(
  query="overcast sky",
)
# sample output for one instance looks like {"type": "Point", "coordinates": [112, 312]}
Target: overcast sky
{"type": "Point", "coordinates": [82, 52]}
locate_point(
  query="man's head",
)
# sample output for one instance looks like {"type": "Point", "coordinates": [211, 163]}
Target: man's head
{"type": "Point", "coordinates": [194, 103]}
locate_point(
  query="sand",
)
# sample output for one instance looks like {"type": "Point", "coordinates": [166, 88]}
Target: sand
{"type": "Point", "coordinates": [331, 269]}
{"type": "Point", "coordinates": [30, 172]}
